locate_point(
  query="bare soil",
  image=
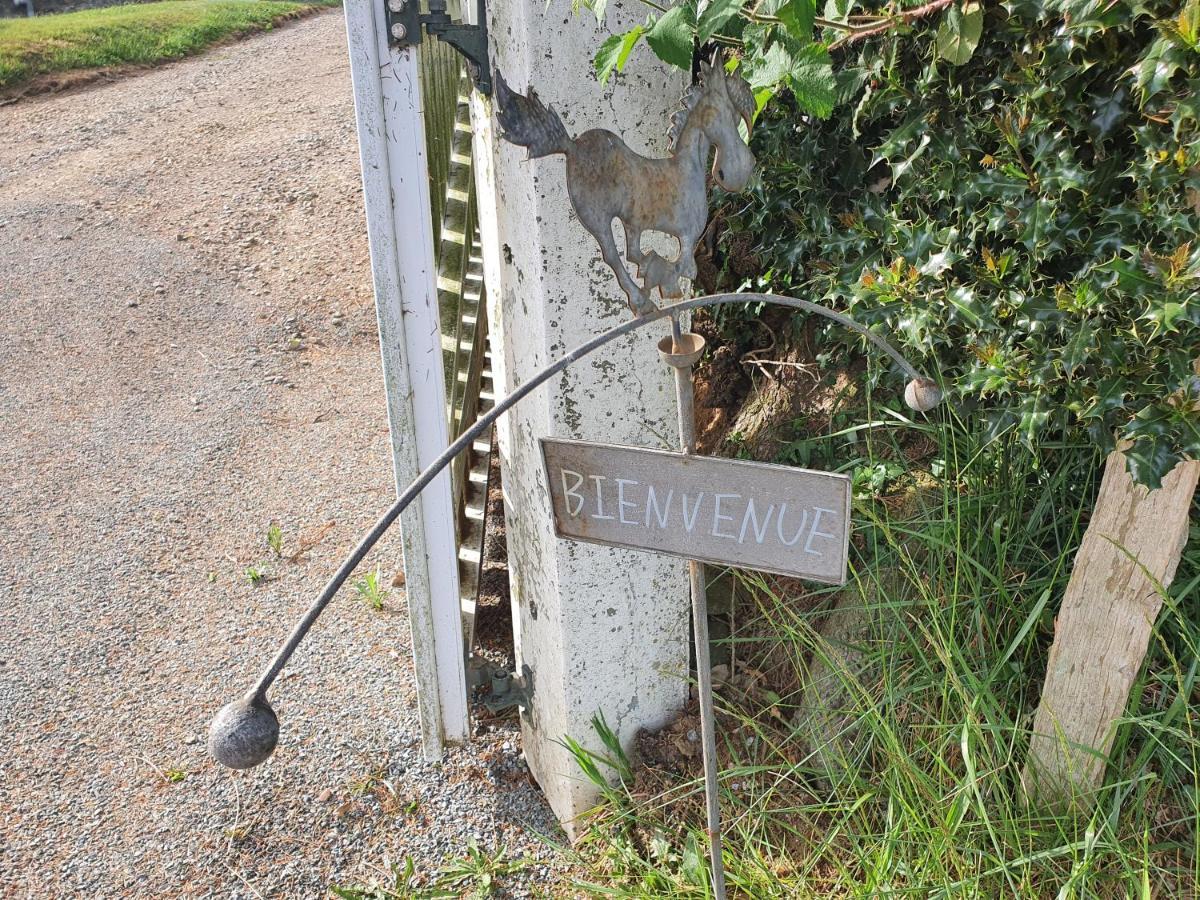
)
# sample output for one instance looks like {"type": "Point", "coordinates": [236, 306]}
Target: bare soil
{"type": "Point", "coordinates": [188, 354]}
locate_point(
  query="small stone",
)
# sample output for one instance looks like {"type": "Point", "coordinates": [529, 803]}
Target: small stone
{"type": "Point", "coordinates": [325, 796]}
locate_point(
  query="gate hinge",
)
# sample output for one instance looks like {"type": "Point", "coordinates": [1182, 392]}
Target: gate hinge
{"type": "Point", "coordinates": [405, 21]}
{"type": "Point", "coordinates": [508, 689]}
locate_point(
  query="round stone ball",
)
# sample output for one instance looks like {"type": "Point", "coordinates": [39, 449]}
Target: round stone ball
{"type": "Point", "coordinates": [922, 394]}
{"type": "Point", "coordinates": [244, 733]}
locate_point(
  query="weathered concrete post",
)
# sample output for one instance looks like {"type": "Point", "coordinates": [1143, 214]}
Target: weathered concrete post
{"type": "Point", "coordinates": [603, 630]}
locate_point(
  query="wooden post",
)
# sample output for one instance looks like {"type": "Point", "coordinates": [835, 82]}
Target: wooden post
{"type": "Point", "coordinates": [1131, 549]}
{"type": "Point", "coordinates": [391, 138]}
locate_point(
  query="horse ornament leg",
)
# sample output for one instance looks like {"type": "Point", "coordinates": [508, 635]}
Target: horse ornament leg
{"type": "Point", "coordinates": [606, 180]}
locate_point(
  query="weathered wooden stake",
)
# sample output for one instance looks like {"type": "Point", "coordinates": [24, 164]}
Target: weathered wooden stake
{"type": "Point", "coordinates": [1129, 552]}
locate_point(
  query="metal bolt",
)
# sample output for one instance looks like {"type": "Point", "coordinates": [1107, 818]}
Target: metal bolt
{"type": "Point", "coordinates": [399, 32]}
{"type": "Point", "coordinates": [396, 5]}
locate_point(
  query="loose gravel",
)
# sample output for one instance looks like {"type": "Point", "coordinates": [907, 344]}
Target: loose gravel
{"type": "Point", "coordinates": [188, 355]}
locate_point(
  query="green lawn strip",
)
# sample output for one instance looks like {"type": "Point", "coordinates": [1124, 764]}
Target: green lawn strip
{"type": "Point", "coordinates": [133, 34]}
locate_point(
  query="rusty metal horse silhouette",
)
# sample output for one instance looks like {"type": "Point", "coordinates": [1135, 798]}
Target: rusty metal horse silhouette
{"type": "Point", "coordinates": [606, 180]}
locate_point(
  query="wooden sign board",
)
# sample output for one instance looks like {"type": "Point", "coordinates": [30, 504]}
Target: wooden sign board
{"type": "Point", "coordinates": [728, 512]}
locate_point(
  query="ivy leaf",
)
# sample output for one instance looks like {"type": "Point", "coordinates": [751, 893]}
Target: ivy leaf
{"type": "Point", "coordinates": [798, 16]}
{"type": "Point", "coordinates": [959, 33]}
{"type": "Point", "coordinates": [672, 36]}
{"type": "Point", "coordinates": [716, 16]}
{"type": "Point", "coordinates": [614, 52]}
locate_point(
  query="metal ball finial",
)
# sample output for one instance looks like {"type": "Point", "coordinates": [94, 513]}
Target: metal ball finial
{"type": "Point", "coordinates": [922, 394]}
{"type": "Point", "coordinates": [244, 733]}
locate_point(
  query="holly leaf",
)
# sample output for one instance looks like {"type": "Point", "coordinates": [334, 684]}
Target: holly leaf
{"type": "Point", "coordinates": [1167, 315]}
{"type": "Point", "coordinates": [798, 16]}
{"type": "Point", "coordinates": [716, 16]}
{"type": "Point", "coordinates": [614, 52]}
{"type": "Point", "coordinates": [1157, 68]}
{"type": "Point", "coordinates": [1078, 348]}
{"type": "Point", "coordinates": [672, 37]}
{"type": "Point", "coordinates": [959, 33]}
{"type": "Point", "coordinates": [1189, 22]}
{"type": "Point", "coordinates": [1149, 459]}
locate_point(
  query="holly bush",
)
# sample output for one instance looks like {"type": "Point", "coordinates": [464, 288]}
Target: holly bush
{"type": "Point", "coordinates": [1010, 191]}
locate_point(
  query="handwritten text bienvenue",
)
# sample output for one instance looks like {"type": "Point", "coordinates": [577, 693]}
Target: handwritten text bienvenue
{"type": "Point", "coordinates": [730, 512]}
{"type": "Point", "coordinates": [629, 502]}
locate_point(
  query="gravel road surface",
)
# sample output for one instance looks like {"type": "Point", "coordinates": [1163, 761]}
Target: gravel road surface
{"type": "Point", "coordinates": [188, 355]}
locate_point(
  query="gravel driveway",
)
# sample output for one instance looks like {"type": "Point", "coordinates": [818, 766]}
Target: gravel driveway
{"type": "Point", "coordinates": [188, 355]}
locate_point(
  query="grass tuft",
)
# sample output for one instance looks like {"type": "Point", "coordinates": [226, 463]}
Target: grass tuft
{"type": "Point", "coordinates": [131, 34]}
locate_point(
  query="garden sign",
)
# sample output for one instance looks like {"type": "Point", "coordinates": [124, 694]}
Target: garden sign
{"type": "Point", "coordinates": [772, 518]}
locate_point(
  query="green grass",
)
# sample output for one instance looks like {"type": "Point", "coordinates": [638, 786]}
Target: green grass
{"type": "Point", "coordinates": [133, 34]}
{"type": "Point", "coordinates": [958, 579]}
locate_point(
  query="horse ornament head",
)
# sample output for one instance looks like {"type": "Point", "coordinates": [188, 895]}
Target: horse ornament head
{"type": "Point", "coordinates": [606, 180]}
{"type": "Point", "coordinates": [725, 103]}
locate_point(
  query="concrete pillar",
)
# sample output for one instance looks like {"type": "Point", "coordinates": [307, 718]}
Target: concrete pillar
{"type": "Point", "coordinates": [603, 630]}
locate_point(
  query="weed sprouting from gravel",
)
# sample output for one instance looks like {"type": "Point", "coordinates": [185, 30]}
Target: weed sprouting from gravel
{"type": "Point", "coordinates": [275, 539]}
{"type": "Point", "coordinates": [479, 873]}
{"type": "Point", "coordinates": [369, 590]}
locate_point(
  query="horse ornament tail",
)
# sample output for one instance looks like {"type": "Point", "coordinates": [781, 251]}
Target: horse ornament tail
{"type": "Point", "coordinates": [606, 180]}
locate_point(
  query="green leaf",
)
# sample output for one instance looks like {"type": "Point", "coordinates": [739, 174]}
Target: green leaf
{"type": "Point", "coordinates": [1149, 459]}
{"type": "Point", "coordinates": [627, 44]}
{"type": "Point", "coordinates": [715, 16]}
{"type": "Point", "coordinates": [798, 16]}
{"type": "Point", "coordinates": [672, 37]}
{"type": "Point", "coordinates": [1167, 315]}
{"type": "Point", "coordinates": [1078, 348]}
{"type": "Point", "coordinates": [770, 68]}
{"type": "Point", "coordinates": [614, 52]}
{"type": "Point", "coordinates": [1157, 68]}
{"type": "Point", "coordinates": [959, 33]}
{"type": "Point", "coordinates": [808, 73]}
{"type": "Point", "coordinates": [605, 60]}
{"type": "Point", "coordinates": [1189, 22]}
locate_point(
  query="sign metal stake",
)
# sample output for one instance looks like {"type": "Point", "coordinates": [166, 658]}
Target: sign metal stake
{"type": "Point", "coordinates": [680, 352]}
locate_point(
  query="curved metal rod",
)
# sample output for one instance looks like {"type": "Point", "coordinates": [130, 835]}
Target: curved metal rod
{"type": "Point", "coordinates": [484, 422]}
